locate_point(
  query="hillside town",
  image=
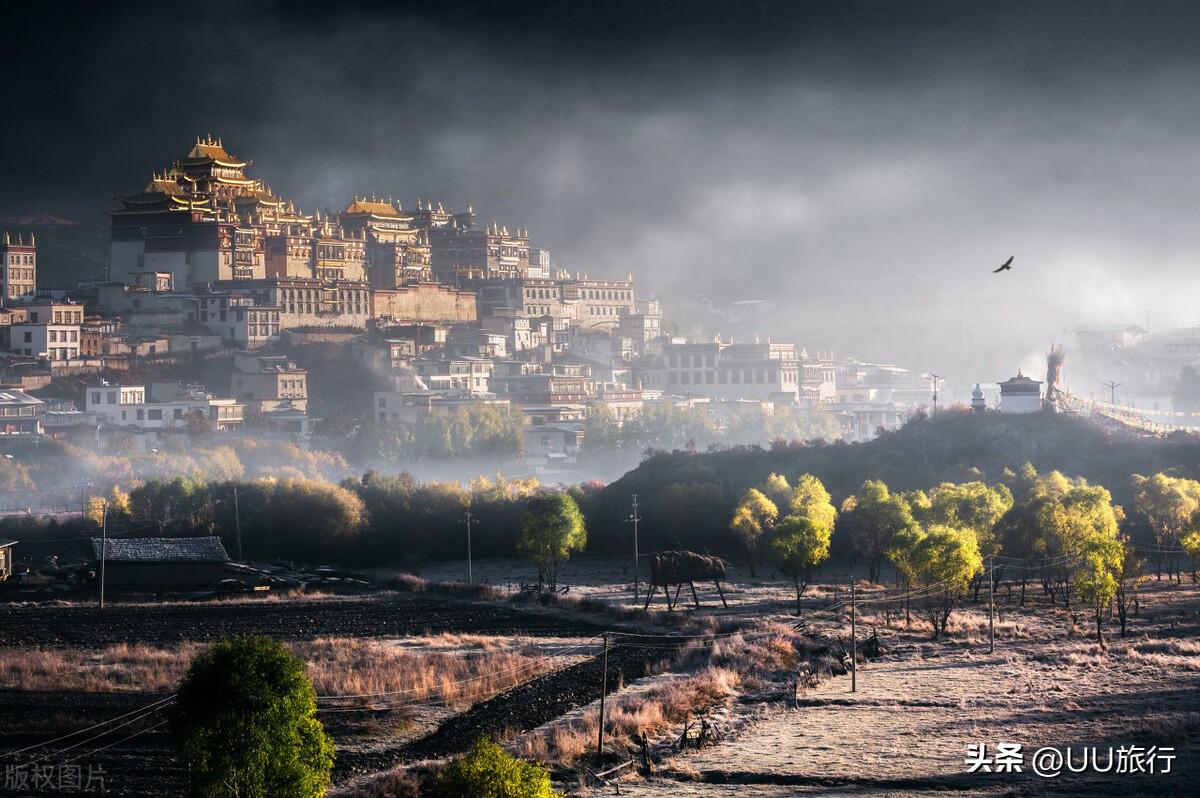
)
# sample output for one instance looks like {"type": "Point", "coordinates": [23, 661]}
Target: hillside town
{"type": "Point", "coordinates": [215, 283]}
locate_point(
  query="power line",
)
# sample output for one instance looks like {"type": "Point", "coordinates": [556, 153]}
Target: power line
{"type": "Point", "coordinates": [88, 728]}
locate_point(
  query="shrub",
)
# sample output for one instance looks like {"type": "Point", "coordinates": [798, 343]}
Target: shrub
{"type": "Point", "coordinates": [488, 771]}
{"type": "Point", "coordinates": [247, 717]}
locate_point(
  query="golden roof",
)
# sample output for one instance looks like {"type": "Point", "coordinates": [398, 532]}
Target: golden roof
{"type": "Point", "coordinates": [372, 206]}
{"type": "Point", "coordinates": [212, 149]}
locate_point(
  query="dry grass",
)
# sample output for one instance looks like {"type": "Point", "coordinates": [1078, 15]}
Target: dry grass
{"type": "Point", "coordinates": [398, 783]}
{"type": "Point", "coordinates": [478, 667]}
{"type": "Point", "coordinates": [411, 583]}
{"type": "Point", "coordinates": [455, 668]}
{"type": "Point", "coordinates": [650, 712]}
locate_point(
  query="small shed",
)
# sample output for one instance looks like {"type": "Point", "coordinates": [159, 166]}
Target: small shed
{"type": "Point", "coordinates": [6, 558]}
{"type": "Point", "coordinates": [162, 563]}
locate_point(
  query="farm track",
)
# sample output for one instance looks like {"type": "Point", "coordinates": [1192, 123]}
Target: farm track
{"type": "Point", "coordinates": [369, 616]}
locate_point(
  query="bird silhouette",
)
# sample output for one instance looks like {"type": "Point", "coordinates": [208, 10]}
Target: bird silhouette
{"type": "Point", "coordinates": [1006, 266]}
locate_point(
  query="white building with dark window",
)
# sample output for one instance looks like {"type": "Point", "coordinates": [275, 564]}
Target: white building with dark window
{"type": "Point", "coordinates": [1020, 395]}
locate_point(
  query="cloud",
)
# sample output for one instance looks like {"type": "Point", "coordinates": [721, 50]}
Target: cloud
{"type": "Point", "coordinates": [864, 165]}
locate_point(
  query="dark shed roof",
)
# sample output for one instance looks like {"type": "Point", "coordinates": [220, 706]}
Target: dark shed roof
{"type": "Point", "coordinates": [205, 549]}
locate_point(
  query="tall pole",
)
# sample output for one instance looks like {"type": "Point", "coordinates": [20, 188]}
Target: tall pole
{"type": "Point", "coordinates": [237, 520]}
{"type": "Point", "coordinates": [934, 379]}
{"type": "Point", "coordinates": [853, 642]}
{"type": "Point", "coordinates": [1112, 386]}
{"type": "Point", "coordinates": [103, 548]}
{"type": "Point", "coordinates": [991, 607]}
{"type": "Point", "coordinates": [467, 518]}
{"type": "Point", "coordinates": [633, 519]}
{"type": "Point", "coordinates": [603, 693]}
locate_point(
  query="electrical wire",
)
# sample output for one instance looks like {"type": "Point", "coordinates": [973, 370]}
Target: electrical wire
{"type": "Point", "coordinates": [89, 728]}
{"type": "Point", "coordinates": [160, 724]}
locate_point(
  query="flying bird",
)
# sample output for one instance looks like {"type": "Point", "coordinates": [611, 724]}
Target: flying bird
{"type": "Point", "coordinates": [1006, 266]}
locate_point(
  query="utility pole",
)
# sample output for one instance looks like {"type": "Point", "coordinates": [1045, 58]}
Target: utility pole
{"type": "Point", "coordinates": [1112, 387]}
{"type": "Point", "coordinates": [103, 548]}
{"type": "Point", "coordinates": [934, 379]}
{"type": "Point", "coordinates": [853, 642]}
{"type": "Point", "coordinates": [237, 521]}
{"type": "Point", "coordinates": [633, 519]}
{"type": "Point", "coordinates": [603, 693]}
{"type": "Point", "coordinates": [467, 518]}
{"type": "Point", "coordinates": [991, 577]}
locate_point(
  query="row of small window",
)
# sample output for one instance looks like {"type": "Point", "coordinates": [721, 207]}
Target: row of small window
{"type": "Point", "coordinates": [62, 354]}
{"type": "Point", "coordinates": [153, 415]}
{"type": "Point", "coordinates": [604, 310]}
{"type": "Point", "coordinates": [17, 274]}
{"type": "Point", "coordinates": [19, 260]}
{"type": "Point", "coordinates": [681, 361]}
{"type": "Point", "coordinates": [60, 317]}
{"type": "Point", "coordinates": [11, 410]}
{"type": "Point", "coordinates": [590, 293]}
{"type": "Point", "coordinates": [723, 378]}
{"type": "Point", "coordinates": [62, 336]}
{"type": "Point", "coordinates": [541, 293]}
{"type": "Point", "coordinates": [262, 330]}
{"type": "Point", "coordinates": [130, 398]}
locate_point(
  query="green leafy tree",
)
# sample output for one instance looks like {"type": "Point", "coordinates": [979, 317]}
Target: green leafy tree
{"type": "Point", "coordinates": [1083, 514]}
{"type": "Point", "coordinates": [943, 560]}
{"type": "Point", "coordinates": [753, 516]}
{"type": "Point", "coordinates": [976, 506]}
{"type": "Point", "coordinates": [801, 544]}
{"type": "Point", "coordinates": [1168, 504]}
{"type": "Point", "coordinates": [551, 531]}
{"type": "Point", "coordinates": [811, 500]}
{"type": "Point", "coordinates": [488, 771]}
{"type": "Point", "coordinates": [776, 488]}
{"type": "Point", "coordinates": [247, 717]}
{"type": "Point", "coordinates": [1098, 577]}
{"type": "Point", "coordinates": [901, 552]}
{"type": "Point", "coordinates": [873, 516]}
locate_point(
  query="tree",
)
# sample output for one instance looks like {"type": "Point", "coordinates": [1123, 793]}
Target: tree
{"type": "Point", "coordinates": [247, 716]}
{"type": "Point", "coordinates": [874, 515]}
{"type": "Point", "coordinates": [811, 500]}
{"type": "Point", "coordinates": [1186, 396]}
{"type": "Point", "coordinates": [972, 505]}
{"type": "Point", "coordinates": [1132, 571]}
{"type": "Point", "coordinates": [1072, 524]}
{"type": "Point", "coordinates": [943, 561]}
{"type": "Point", "coordinates": [117, 503]}
{"type": "Point", "coordinates": [801, 543]}
{"type": "Point", "coordinates": [1168, 504]}
{"type": "Point", "coordinates": [488, 771]}
{"type": "Point", "coordinates": [901, 552]}
{"type": "Point", "coordinates": [754, 515]}
{"type": "Point", "coordinates": [1097, 578]}
{"type": "Point", "coordinates": [776, 488]}
{"type": "Point", "coordinates": [551, 530]}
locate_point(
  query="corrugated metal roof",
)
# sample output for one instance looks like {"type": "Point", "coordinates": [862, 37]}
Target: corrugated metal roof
{"type": "Point", "coordinates": [203, 549]}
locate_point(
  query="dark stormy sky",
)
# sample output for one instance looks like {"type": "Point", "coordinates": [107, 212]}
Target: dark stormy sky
{"type": "Point", "coordinates": [861, 164]}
